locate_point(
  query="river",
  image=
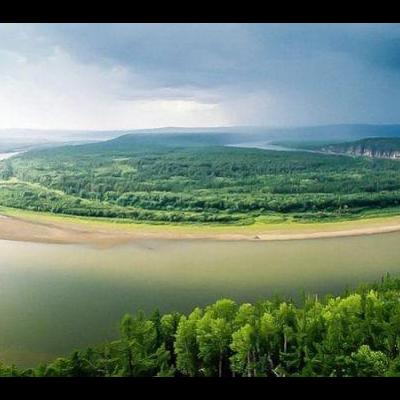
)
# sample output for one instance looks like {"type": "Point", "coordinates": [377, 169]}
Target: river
{"type": "Point", "coordinates": [4, 156]}
{"type": "Point", "coordinates": [54, 298]}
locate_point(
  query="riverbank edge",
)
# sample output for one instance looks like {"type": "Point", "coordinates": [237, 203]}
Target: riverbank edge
{"type": "Point", "coordinates": [23, 225]}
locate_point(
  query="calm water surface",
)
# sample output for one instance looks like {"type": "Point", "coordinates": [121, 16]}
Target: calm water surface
{"type": "Point", "coordinates": [54, 298]}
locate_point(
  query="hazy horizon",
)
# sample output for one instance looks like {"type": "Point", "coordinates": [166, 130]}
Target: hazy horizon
{"type": "Point", "coordinates": [201, 127]}
{"type": "Point", "coordinates": [144, 76]}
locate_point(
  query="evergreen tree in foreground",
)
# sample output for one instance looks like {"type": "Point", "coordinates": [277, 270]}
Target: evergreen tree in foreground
{"type": "Point", "coordinates": [357, 334]}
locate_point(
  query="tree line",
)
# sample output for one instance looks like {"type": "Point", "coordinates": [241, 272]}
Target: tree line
{"type": "Point", "coordinates": [356, 334]}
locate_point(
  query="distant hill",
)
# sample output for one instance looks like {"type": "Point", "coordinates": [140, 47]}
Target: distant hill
{"type": "Point", "coordinates": [325, 133]}
{"type": "Point", "coordinates": [17, 139]}
{"type": "Point", "coordinates": [235, 135]}
{"type": "Point", "coordinates": [370, 147]}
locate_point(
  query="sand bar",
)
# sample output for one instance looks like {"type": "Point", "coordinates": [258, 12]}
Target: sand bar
{"type": "Point", "coordinates": [56, 229]}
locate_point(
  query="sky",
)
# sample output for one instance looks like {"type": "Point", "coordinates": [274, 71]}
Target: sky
{"type": "Point", "coordinates": [133, 76]}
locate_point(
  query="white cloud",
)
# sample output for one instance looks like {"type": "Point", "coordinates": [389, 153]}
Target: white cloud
{"type": "Point", "coordinates": [167, 112]}
{"type": "Point", "coordinates": [57, 92]}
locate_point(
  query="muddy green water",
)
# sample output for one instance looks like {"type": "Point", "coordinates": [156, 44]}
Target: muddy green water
{"type": "Point", "coordinates": [54, 298]}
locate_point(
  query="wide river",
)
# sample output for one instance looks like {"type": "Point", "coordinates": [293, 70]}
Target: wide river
{"type": "Point", "coordinates": [54, 298]}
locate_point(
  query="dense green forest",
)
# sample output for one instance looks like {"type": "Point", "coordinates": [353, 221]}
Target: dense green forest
{"type": "Point", "coordinates": [193, 178]}
{"type": "Point", "coordinates": [356, 334]}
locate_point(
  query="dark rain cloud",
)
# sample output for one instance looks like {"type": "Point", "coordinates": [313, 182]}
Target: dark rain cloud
{"type": "Point", "coordinates": [206, 53]}
{"type": "Point", "coordinates": [287, 73]}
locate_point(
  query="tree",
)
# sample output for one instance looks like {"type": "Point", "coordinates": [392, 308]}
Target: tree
{"type": "Point", "coordinates": [224, 308]}
{"type": "Point", "coordinates": [186, 346]}
{"type": "Point", "coordinates": [168, 328]}
{"type": "Point", "coordinates": [367, 363]}
{"type": "Point", "coordinates": [270, 342]}
{"type": "Point", "coordinates": [246, 314]}
{"type": "Point", "coordinates": [137, 346]}
{"type": "Point", "coordinates": [244, 344]}
{"type": "Point", "coordinates": [213, 337]}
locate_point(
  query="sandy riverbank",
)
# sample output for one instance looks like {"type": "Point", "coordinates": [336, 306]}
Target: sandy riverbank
{"type": "Point", "coordinates": [35, 227]}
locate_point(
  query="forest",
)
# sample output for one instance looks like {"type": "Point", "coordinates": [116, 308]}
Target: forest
{"type": "Point", "coordinates": [195, 178]}
{"type": "Point", "coordinates": [355, 334]}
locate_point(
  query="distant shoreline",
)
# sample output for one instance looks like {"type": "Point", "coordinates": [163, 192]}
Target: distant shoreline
{"type": "Point", "coordinates": [34, 227]}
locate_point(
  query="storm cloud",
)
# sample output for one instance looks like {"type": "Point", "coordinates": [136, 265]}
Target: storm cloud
{"type": "Point", "coordinates": [126, 76]}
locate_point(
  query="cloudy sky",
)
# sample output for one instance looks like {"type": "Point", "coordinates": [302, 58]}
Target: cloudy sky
{"type": "Point", "coordinates": [126, 76]}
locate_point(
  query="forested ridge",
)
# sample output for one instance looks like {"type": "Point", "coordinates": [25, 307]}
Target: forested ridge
{"type": "Point", "coordinates": [182, 178]}
{"type": "Point", "coordinates": [356, 334]}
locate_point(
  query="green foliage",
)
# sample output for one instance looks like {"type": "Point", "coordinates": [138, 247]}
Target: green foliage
{"type": "Point", "coordinates": [181, 180]}
{"type": "Point", "coordinates": [186, 346]}
{"type": "Point", "coordinates": [365, 362]}
{"type": "Point", "coordinates": [356, 334]}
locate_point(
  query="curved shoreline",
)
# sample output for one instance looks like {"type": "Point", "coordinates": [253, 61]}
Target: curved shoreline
{"type": "Point", "coordinates": [55, 229]}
